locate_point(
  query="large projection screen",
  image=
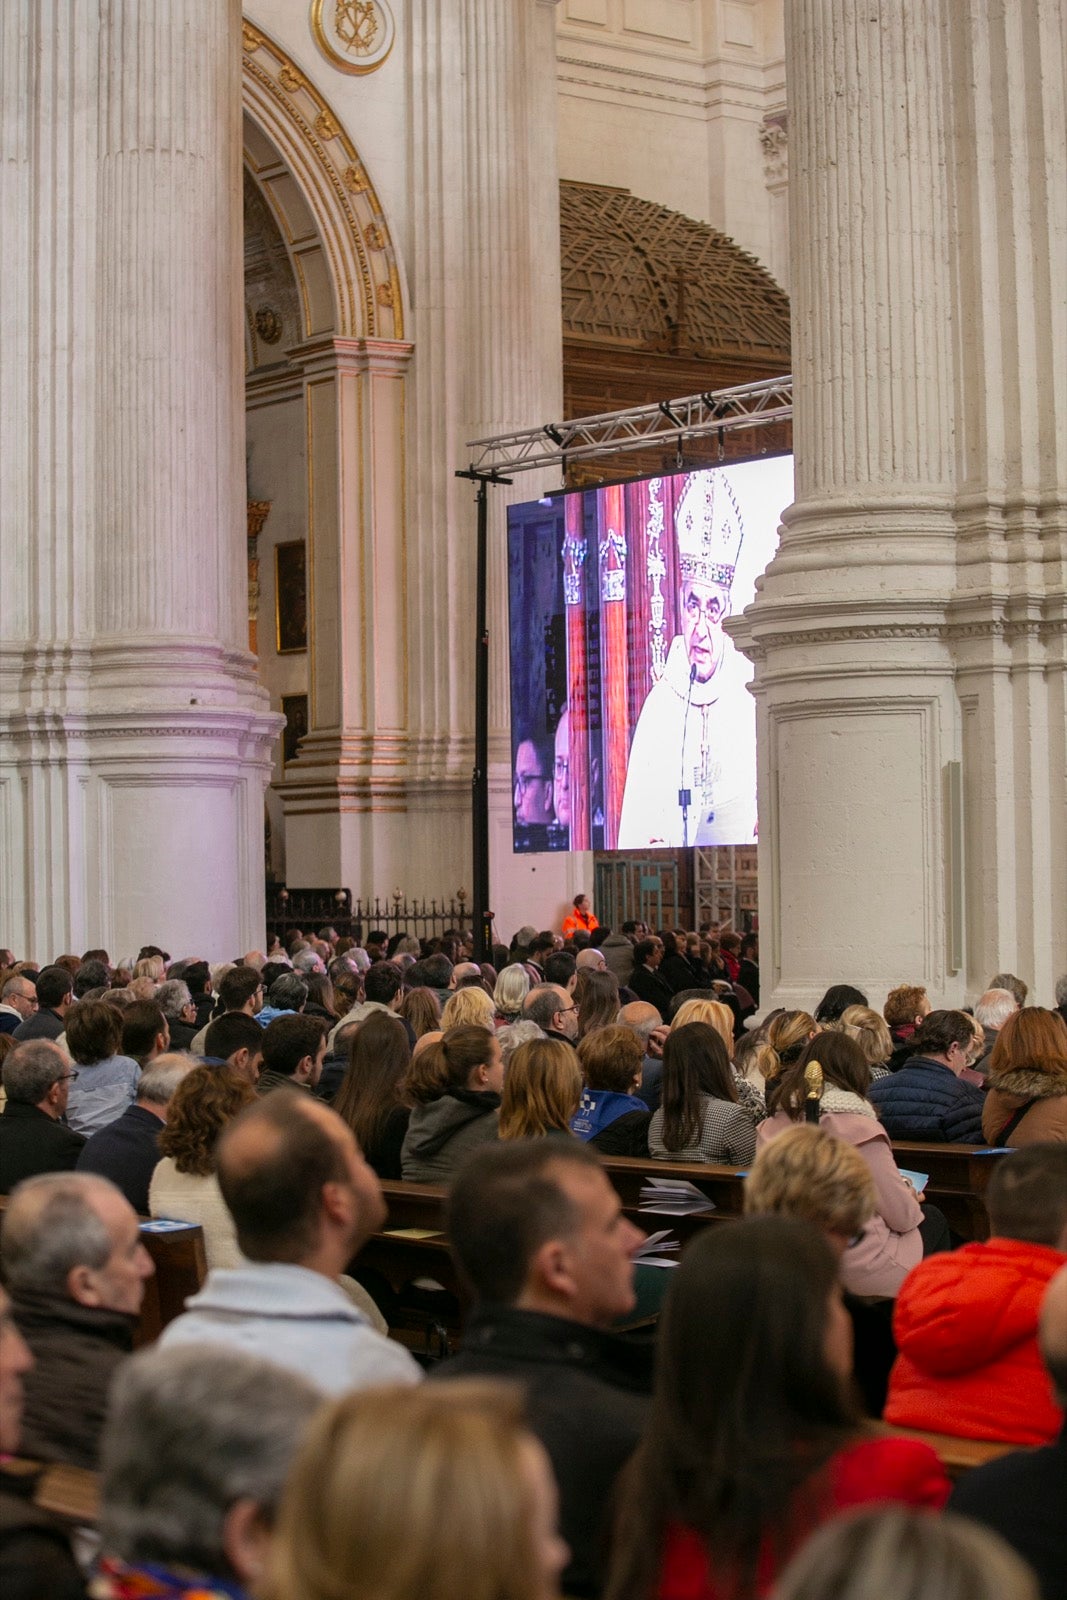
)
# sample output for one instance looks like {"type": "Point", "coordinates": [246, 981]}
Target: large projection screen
{"type": "Point", "coordinates": [631, 724]}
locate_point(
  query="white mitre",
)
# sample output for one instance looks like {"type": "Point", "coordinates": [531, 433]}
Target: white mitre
{"type": "Point", "coordinates": [708, 525]}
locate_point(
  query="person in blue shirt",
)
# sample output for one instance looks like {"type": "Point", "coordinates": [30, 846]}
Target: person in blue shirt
{"type": "Point", "coordinates": [611, 1060]}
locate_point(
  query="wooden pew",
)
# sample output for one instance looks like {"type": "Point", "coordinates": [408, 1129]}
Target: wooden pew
{"type": "Point", "coordinates": [181, 1267]}
{"type": "Point", "coordinates": [959, 1178]}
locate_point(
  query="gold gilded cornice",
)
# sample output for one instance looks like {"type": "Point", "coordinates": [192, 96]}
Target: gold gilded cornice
{"type": "Point", "coordinates": [354, 231]}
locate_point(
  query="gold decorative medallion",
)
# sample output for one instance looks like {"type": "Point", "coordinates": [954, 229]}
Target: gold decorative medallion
{"type": "Point", "coordinates": [385, 294]}
{"type": "Point", "coordinates": [268, 325]}
{"type": "Point", "coordinates": [356, 35]}
{"type": "Point", "coordinates": [249, 39]}
{"type": "Point", "coordinates": [326, 126]}
{"type": "Point", "coordinates": [374, 237]}
{"type": "Point", "coordinates": [356, 180]}
{"type": "Point", "coordinates": [290, 79]}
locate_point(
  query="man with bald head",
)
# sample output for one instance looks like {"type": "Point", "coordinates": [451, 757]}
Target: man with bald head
{"type": "Point", "coordinates": [643, 1019]}
{"type": "Point", "coordinates": [303, 1201]}
{"type": "Point", "coordinates": [591, 960]}
{"type": "Point", "coordinates": [1022, 1496]}
{"type": "Point", "coordinates": [553, 1010]}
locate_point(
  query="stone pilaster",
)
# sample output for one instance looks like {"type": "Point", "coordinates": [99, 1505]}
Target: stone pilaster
{"type": "Point", "coordinates": [854, 684]}
{"type": "Point", "coordinates": [1008, 625]}
{"type": "Point", "coordinates": [486, 302]}
{"type": "Point", "coordinates": [135, 738]}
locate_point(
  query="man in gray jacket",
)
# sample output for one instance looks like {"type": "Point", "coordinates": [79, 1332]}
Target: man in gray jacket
{"type": "Point", "coordinates": [303, 1201]}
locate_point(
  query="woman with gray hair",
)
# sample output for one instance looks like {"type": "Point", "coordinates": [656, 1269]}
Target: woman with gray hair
{"type": "Point", "coordinates": [512, 987]}
{"type": "Point", "coordinates": [196, 1451]}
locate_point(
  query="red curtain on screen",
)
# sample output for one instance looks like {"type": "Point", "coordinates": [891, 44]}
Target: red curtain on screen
{"type": "Point", "coordinates": [574, 595]}
{"type": "Point", "coordinates": [611, 542]}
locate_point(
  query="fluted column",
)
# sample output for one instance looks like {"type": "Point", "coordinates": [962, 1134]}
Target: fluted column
{"type": "Point", "coordinates": [856, 705]}
{"type": "Point", "coordinates": [1009, 619]}
{"type": "Point", "coordinates": [486, 300]}
{"type": "Point", "coordinates": [135, 748]}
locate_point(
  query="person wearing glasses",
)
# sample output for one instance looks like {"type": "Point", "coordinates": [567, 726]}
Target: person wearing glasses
{"type": "Point", "coordinates": [696, 732]}
{"type": "Point", "coordinates": [33, 1135]}
{"type": "Point", "coordinates": [532, 796]}
{"type": "Point", "coordinates": [18, 1000]}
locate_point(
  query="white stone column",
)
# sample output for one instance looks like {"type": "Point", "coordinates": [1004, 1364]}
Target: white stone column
{"type": "Point", "coordinates": [135, 746]}
{"type": "Point", "coordinates": [1008, 622]}
{"type": "Point", "coordinates": [857, 712]}
{"type": "Point", "coordinates": [486, 302]}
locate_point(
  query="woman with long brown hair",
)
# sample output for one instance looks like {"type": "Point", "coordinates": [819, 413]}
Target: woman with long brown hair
{"type": "Point", "coordinates": [699, 1118]}
{"type": "Point", "coordinates": [372, 1097]}
{"type": "Point", "coordinates": [596, 994]}
{"type": "Point", "coordinates": [753, 1438]}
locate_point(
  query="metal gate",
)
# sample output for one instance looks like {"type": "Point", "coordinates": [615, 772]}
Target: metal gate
{"type": "Point", "coordinates": [650, 889]}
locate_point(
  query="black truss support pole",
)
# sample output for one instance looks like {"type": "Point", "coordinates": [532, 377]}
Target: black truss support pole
{"type": "Point", "coordinates": [482, 913]}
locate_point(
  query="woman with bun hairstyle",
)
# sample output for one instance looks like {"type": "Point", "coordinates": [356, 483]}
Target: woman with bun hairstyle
{"type": "Point", "coordinates": [456, 1083]}
{"type": "Point", "coordinates": [891, 1244]}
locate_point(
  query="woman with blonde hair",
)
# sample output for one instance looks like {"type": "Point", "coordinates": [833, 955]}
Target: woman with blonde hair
{"type": "Point", "coordinates": [542, 1088]}
{"type": "Point", "coordinates": [470, 1007]}
{"type": "Point", "coordinates": [431, 1493]}
{"type": "Point", "coordinates": [871, 1033]}
{"type": "Point", "coordinates": [512, 987]}
{"type": "Point", "coordinates": [891, 1244]}
{"type": "Point", "coordinates": [911, 1556]}
{"type": "Point", "coordinates": [713, 1012]}
{"type": "Point", "coordinates": [787, 1033]}
{"type": "Point", "coordinates": [1026, 1101]}
{"type": "Point", "coordinates": [721, 1018]}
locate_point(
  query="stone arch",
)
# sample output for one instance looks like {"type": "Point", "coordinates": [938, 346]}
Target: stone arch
{"type": "Point", "coordinates": [323, 191]}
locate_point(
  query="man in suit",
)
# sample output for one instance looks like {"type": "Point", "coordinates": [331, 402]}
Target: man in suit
{"type": "Point", "coordinates": [33, 1136]}
{"type": "Point", "coordinates": [127, 1150]}
{"type": "Point", "coordinates": [55, 988]}
{"type": "Point", "coordinates": [645, 980]}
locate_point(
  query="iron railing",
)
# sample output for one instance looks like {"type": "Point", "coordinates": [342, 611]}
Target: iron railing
{"type": "Point", "coordinates": [312, 909]}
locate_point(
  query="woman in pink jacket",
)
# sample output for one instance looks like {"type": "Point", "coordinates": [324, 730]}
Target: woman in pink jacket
{"type": "Point", "coordinates": [880, 1258]}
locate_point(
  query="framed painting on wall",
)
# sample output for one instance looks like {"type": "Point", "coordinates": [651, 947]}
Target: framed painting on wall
{"type": "Point", "coordinates": [291, 597]}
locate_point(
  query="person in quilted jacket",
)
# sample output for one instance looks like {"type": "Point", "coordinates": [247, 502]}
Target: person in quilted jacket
{"type": "Point", "coordinates": [966, 1322]}
{"type": "Point", "coordinates": [927, 1099]}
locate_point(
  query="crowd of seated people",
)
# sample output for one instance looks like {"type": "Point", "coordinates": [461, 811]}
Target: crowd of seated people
{"type": "Point", "coordinates": [754, 1432]}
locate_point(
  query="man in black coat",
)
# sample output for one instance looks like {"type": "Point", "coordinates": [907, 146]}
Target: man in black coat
{"type": "Point", "coordinates": [55, 990]}
{"type": "Point", "coordinates": [1022, 1496]}
{"type": "Point", "coordinates": [33, 1136]}
{"type": "Point", "coordinates": [539, 1238]}
{"type": "Point", "coordinates": [645, 980]}
{"type": "Point", "coordinates": [75, 1269]}
{"type": "Point", "coordinates": [127, 1150]}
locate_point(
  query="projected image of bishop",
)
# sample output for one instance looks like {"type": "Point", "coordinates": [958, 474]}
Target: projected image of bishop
{"type": "Point", "coordinates": [691, 772]}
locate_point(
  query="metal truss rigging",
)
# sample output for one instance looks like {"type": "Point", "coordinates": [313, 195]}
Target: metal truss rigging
{"type": "Point", "coordinates": [746, 405]}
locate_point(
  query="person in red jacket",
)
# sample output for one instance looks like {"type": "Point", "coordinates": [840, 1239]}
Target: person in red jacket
{"type": "Point", "coordinates": [753, 1440]}
{"type": "Point", "coordinates": [580, 918]}
{"type": "Point", "coordinates": [966, 1322]}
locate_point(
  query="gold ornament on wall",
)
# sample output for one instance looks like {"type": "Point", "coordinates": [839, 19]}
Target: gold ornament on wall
{"type": "Point", "coordinates": [268, 325]}
{"type": "Point", "coordinates": [290, 79]}
{"type": "Point", "coordinates": [355, 35]}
